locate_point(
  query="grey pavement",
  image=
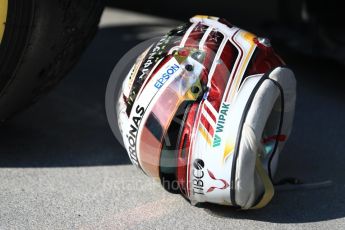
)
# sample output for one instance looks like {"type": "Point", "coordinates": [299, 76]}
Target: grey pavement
{"type": "Point", "coordinates": [61, 167]}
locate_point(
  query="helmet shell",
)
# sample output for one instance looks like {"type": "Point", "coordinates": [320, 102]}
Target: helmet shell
{"type": "Point", "coordinates": [202, 74]}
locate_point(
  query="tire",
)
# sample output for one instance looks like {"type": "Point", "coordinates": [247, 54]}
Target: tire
{"type": "Point", "coordinates": [41, 42]}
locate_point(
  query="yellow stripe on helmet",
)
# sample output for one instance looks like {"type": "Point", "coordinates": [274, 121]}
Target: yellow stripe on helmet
{"type": "Point", "coordinates": [206, 17]}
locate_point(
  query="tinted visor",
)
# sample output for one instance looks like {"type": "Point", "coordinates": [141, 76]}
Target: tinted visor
{"type": "Point", "coordinates": [157, 148]}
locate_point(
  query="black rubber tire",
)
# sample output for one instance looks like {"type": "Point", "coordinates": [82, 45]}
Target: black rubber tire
{"type": "Point", "coordinates": [43, 39]}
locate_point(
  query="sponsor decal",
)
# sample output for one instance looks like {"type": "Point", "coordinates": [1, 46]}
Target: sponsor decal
{"type": "Point", "coordinates": [166, 75]}
{"type": "Point", "coordinates": [220, 124]}
{"type": "Point", "coordinates": [212, 188]}
{"type": "Point", "coordinates": [179, 31]}
{"type": "Point", "coordinates": [135, 69]}
{"type": "Point", "coordinates": [216, 141]}
{"type": "Point", "coordinates": [158, 51]}
{"type": "Point", "coordinates": [198, 183]}
{"type": "Point", "coordinates": [132, 134]}
{"type": "Point", "coordinates": [198, 173]}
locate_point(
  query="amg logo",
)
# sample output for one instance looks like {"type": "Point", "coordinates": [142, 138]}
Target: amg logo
{"type": "Point", "coordinates": [220, 124]}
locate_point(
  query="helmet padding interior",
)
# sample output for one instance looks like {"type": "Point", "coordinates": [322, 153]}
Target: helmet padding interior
{"type": "Point", "coordinates": [263, 115]}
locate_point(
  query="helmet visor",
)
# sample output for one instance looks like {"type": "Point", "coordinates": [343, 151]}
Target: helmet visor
{"type": "Point", "coordinates": [185, 86]}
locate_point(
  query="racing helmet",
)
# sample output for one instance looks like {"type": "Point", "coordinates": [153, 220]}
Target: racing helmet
{"type": "Point", "coordinates": [206, 110]}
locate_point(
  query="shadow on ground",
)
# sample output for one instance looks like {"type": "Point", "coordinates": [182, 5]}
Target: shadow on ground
{"type": "Point", "coordinates": [69, 128]}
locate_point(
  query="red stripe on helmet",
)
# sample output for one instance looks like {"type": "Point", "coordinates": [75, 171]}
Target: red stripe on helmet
{"type": "Point", "coordinates": [221, 75]}
{"type": "Point", "coordinates": [207, 125]}
{"type": "Point", "coordinates": [210, 113]}
{"type": "Point", "coordinates": [196, 35]}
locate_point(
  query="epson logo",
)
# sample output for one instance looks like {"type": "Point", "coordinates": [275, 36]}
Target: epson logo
{"type": "Point", "coordinates": [166, 75]}
{"type": "Point", "coordinates": [198, 173]}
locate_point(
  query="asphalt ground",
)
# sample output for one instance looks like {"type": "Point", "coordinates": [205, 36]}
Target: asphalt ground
{"type": "Point", "coordinates": [62, 168]}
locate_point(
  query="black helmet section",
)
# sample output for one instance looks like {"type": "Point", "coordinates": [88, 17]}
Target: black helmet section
{"type": "Point", "coordinates": [169, 154]}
